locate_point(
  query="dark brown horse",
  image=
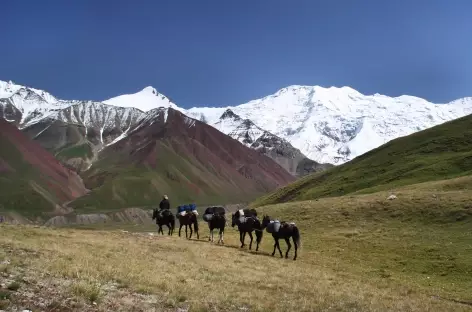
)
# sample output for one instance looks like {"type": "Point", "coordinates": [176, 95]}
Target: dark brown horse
{"type": "Point", "coordinates": [188, 219]}
{"type": "Point", "coordinates": [248, 222]}
{"type": "Point", "coordinates": [165, 217]}
{"type": "Point", "coordinates": [285, 231]}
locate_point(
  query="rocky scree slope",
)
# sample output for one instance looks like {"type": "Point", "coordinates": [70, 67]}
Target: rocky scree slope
{"type": "Point", "coordinates": [248, 133]}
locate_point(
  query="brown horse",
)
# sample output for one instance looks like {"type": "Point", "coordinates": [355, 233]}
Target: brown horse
{"type": "Point", "coordinates": [188, 219]}
{"type": "Point", "coordinates": [286, 231]}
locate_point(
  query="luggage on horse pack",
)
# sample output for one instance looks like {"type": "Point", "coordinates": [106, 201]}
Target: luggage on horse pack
{"type": "Point", "coordinates": [244, 214]}
{"type": "Point", "coordinates": [184, 209]}
{"type": "Point", "coordinates": [211, 211]}
{"type": "Point", "coordinates": [273, 226]}
{"type": "Point", "coordinates": [207, 217]}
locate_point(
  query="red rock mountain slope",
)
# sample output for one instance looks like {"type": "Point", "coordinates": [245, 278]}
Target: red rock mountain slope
{"type": "Point", "coordinates": [170, 153]}
{"type": "Point", "coordinates": [31, 179]}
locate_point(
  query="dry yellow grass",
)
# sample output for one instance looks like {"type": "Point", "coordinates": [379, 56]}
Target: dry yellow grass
{"type": "Point", "coordinates": [359, 253]}
{"type": "Point", "coordinates": [80, 270]}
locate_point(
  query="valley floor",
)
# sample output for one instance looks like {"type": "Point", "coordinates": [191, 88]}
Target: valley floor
{"type": "Point", "coordinates": [359, 253]}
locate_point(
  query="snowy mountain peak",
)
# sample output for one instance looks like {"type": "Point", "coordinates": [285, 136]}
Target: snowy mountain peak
{"type": "Point", "coordinates": [229, 114]}
{"type": "Point", "coordinates": [144, 100]}
{"type": "Point", "coordinates": [150, 89]}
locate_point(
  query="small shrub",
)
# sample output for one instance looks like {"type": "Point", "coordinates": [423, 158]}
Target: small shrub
{"type": "Point", "coordinates": [89, 291]}
{"type": "Point", "coordinates": [14, 286]}
{"type": "Point", "coordinates": [5, 295]}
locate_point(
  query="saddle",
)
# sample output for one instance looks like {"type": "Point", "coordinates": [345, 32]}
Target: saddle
{"type": "Point", "coordinates": [245, 214]}
{"type": "Point", "coordinates": [277, 226]}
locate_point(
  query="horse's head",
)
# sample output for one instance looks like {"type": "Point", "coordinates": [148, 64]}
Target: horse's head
{"type": "Point", "coordinates": [265, 221]}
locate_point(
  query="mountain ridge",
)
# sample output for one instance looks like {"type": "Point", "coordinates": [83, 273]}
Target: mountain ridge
{"type": "Point", "coordinates": [327, 125]}
{"type": "Point", "coordinates": [335, 125]}
{"type": "Point", "coordinates": [95, 125]}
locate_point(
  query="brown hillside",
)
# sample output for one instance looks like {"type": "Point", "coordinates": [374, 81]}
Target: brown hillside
{"type": "Point", "coordinates": [27, 168]}
{"type": "Point", "coordinates": [172, 153]}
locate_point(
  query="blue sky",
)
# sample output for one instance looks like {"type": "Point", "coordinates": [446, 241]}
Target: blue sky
{"type": "Point", "coordinates": [223, 52]}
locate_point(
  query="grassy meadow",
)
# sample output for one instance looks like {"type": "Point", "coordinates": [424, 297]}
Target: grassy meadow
{"type": "Point", "coordinates": [359, 253]}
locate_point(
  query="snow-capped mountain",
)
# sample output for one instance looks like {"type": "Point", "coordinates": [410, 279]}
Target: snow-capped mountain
{"type": "Point", "coordinates": [327, 125]}
{"type": "Point", "coordinates": [249, 134]}
{"type": "Point", "coordinates": [145, 100]}
{"type": "Point", "coordinates": [60, 124]}
{"type": "Point", "coordinates": [335, 125]}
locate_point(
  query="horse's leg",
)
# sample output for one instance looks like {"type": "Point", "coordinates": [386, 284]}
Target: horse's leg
{"type": "Point", "coordinates": [211, 235]}
{"type": "Point", "coordinates": [296, 247]}
{"type": "Point", "coordinates": [180, 228]}
{"type": "Point", "coordinates": [257, 243]}
{"type": "Point", "coordinates": [280, 250]}
{"type": "Point", "coordinates": [244, 238]}
{"type": "Point", "coordinates": [222, 232]}
{"type": "Point", "coordinates": [250, 243]}
{"type": "Point", "coordinates": [191, 231]}
{"type": "Point", "coordinates": [287, 240]}
{"type": "Point", "coordinates": [275, 245]}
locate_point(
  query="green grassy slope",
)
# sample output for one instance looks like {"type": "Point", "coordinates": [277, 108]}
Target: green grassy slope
{"type": "Point", "coordinates": [422, 238]}
{"type": "Point", "coordinates": [441, 152]}
{"type": "Point", "coordinates": [16, 190]}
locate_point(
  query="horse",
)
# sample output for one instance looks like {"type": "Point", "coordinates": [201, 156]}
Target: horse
{"type": "Point", "coordinates": [286, 231]}
{"type": "Point", "coordinates": [167, 218]}
{"type": "Point", "coordinates": [188, 219]}
{"type": "Point", "coordinates": [247, 221]}
{"type": "Point", "coordinates": [216, 219]}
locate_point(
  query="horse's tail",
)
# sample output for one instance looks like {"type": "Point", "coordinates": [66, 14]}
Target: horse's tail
{"type": "Point", "coordinates": [296, 237]}
{"type": "Point", "coordinates": [259, 231]}
{"type": "Point", "coordinates": [259, 234]}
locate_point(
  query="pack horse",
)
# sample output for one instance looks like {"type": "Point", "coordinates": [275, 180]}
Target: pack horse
{"type": "Point", "coordinates": [187, 215]}
{"type": "Point", "coordinates": [216, 219]}
{"type": "Point", "coordinates": [283, 230]}
{"type": "Point", "coordinates": [247, 222]}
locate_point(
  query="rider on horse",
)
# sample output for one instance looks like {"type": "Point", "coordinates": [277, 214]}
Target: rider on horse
{"type": "Point", "coordinates": [164, 205]}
